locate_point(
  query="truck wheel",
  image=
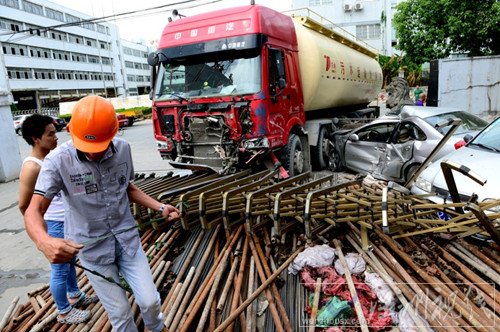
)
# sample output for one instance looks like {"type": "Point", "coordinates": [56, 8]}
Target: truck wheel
{"type": "Point", "coordinates": [321, 151]}
{"type": "Point", "coordinates": [293, 156]}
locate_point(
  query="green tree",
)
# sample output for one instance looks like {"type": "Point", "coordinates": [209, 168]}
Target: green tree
{"type": "Point", "coordinates": [432, 29]}
{"type": "Point", "coordinates": [391, 66]}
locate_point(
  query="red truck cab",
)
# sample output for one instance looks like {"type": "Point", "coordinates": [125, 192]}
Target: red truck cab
{"type": "Point", "coordinates": [227, 89]}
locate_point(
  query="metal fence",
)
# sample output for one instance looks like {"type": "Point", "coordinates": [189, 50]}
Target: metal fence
{"type": "Point", "coordinates": [54, 111]}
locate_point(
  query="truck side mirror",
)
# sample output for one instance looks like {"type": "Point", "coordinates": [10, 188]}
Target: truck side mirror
{"type": "Point", "coordinates": [153, 59]}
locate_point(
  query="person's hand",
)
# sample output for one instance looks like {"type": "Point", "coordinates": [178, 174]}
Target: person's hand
{"type": "Point", "coordinates": [59, 250]}
{"type": "Point", "coordinates": [170, 213]}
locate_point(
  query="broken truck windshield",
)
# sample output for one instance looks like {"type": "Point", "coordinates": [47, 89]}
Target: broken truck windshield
{"type": "Point", "coordinates": [210, 79]}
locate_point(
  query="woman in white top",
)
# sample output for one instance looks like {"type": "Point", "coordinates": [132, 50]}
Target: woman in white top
{"type": "Point", "coordinates": [39, 132]}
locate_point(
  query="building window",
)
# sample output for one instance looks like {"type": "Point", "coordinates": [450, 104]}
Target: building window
{"type": "Point", "coordinates": [101, 28]}
{"type": "Point", "coordinates": [32, 8]}
{"type": "Point", "coordinates": [14, 27]}
{"type": "Point", "coordinates": [88, 26]}
{"type": "Point", "coordinates": [19, 73]}
{"type": "Point", "coordinates": [54, 14]}
{"type": "Point", "coordinates": [10, 3]}
{"type": "Point", "coordinates": [368, 31]}
{"type": "Point", "coordinates": [14, 49]}
{"type": "Point", "coordinates": [72, 19]}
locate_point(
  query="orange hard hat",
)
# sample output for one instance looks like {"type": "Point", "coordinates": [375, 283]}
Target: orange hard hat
{"type": "Point", "coordinates": [93, 124]}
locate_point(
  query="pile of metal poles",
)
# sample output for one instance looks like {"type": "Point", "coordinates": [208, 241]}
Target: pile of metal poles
{"type": "Point", "coordinates": [222, 266]}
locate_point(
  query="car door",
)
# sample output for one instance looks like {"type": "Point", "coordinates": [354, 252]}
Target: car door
{"type": "Point", "coordinates": [366, 146]}
{"type": "Point", "coordinates": [398, 153]}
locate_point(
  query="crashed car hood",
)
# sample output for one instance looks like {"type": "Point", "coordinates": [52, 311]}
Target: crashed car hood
{"type": "Point", "coordinates": [482, 162]}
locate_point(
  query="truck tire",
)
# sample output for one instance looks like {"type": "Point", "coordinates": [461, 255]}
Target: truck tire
{"type": "Point", "coordinates": [293, 157]}
{"type": "Point", "coordinates": [320, 152]}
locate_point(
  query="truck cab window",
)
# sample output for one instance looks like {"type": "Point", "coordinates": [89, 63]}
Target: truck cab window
{"type": "Point", "coordinates": [277, 76]}
{"type": "Point", "coordinates": [225, 77]}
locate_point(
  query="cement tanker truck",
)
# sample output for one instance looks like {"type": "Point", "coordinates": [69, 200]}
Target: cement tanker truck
{"type": "Point", "coordinates": [233, 88]}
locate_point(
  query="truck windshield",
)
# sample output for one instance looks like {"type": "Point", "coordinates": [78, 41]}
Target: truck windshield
{"type": "Point", "coordinates": [210, 79]}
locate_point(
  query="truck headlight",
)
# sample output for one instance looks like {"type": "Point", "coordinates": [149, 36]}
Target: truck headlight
{"type": "Point", "coordinates": [256, 143]}
{"type": "Point", "coordinates": [423, 184]}
{"type": "Point", "coordinates": [161, 145]}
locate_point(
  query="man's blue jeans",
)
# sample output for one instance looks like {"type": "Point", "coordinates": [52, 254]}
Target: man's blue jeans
{"type": "Point", "coordinates": [63, 282]}
{"type": "Point", "coordinates": [136, 271]}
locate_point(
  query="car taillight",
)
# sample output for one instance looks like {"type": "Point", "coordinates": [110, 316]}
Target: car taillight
{"type": "Point", "coordinates": [459, 144]}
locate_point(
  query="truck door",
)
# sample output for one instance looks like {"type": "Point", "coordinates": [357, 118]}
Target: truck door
{"type": "Point", "coordinates": [279, 90]}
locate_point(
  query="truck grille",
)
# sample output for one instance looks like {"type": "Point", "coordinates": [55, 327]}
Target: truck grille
{"type": "Point", "coordinates": [204, 131]}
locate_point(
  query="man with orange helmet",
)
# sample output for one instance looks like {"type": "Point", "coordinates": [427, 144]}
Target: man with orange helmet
{"type": "Point", "coordinates": [93, 171]}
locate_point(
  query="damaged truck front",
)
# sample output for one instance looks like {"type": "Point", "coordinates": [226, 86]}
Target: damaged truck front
{"type": "Point", "coordinates": [232, 86]}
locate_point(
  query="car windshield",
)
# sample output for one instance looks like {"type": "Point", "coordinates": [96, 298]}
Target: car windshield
{"type": "Point", "coordinates": [210, 79]}
{"type": "Point", "coordinates": [469, 122]}
{"type": "Point", "coordinates": [18, 117]}
{"type": "Point", "coordinates": [489, 138]}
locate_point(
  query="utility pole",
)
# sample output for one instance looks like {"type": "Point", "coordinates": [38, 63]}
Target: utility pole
{"type": "Point", "coordinates": [10, 157]}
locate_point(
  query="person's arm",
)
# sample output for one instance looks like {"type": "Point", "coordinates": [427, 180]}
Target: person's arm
{"type": "Point", "coordinates": [56, 250]}
{"type": "Point", "coordinates": [27, 180]}
{"type": "Point", "coordinates": [136, 195]}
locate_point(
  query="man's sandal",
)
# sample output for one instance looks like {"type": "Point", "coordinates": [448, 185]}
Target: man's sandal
{"type": "Point", "coordinates": [85, 300]}
{"type": "Point", "coordinates": [74, 316]}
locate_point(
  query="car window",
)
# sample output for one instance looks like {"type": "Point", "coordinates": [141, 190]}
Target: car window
{"type": "Point", "coordinates": [377, 133]}
{"type": "Point", "coordinates": [469, 122]}
{"type": "Point", "coordinates": [409, 132]}
{"type": "Point", "coordinates": [489, 138]}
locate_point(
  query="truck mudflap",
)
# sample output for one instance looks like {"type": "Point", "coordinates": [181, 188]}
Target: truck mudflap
{"type": "Point", "coordinates": [196, 167]}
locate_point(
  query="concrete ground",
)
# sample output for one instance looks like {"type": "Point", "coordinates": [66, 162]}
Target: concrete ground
{"type": "Point", "coordinates": [22, 267]}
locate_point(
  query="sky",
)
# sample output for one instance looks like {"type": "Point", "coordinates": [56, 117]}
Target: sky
{"type": "Point", "coordinates": [149, 27]}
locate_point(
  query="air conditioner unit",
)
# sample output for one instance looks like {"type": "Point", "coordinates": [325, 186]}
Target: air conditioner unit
{"type": "Point", "coordinates": [347, 7]}
{"type": "Point", "coordinates": [358, 6]}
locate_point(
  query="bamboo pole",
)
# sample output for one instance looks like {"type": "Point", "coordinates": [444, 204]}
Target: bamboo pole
{"type": "Point", "coordinates": [255, 294]}
{"type": "Point", "coordinates": [314, 309]}
{"type": "Point", "coordinates": [357, 305]}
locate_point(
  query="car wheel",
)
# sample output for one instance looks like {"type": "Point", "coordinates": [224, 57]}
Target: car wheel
{"type": "Point", "coordinates": [320, 153]}
{"type": "Point", "coordinates": [410, 171]}
{"type": "Point", "coordinates": [130, 122]}
{"type": "Point", "coordinates": [293, 156]}
{"type": "Point", "coordinates": [19, 131]}
{"type": "Point", "coordinates": [334, 163]}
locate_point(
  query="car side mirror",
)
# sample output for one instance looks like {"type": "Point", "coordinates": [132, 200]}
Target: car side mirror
{"type": "Point", "coordinates": [354, 138]}
{"type": "Point", "coordinates": [468, 138]}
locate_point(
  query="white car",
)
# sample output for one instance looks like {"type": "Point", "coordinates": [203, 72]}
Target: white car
{"type": "Point", "coordinates": [18, 122]}
{"type": "Point", "coordinates": [481, 155]}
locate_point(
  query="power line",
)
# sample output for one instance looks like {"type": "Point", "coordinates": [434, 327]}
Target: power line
{"type": "Point", "coordinates": [141, 12]}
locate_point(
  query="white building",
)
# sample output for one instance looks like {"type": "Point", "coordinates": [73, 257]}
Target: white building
{"type": "Point", "coordinates": [52, 53]}
{"type": "Point", "coordinates": [368, 20]}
